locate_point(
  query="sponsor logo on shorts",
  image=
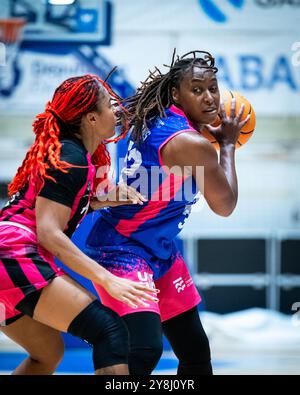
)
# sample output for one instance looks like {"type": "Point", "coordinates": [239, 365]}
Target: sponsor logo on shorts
{"type": "Point", "coordinates": [183, 282]}
{"type": "Point", "coordinates": [146, 278]}
{"type": "Point", "coordinates": [179, 284]}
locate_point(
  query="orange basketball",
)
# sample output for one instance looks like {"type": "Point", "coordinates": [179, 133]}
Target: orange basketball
{"type": "Point", "coordinates": [247, 130]}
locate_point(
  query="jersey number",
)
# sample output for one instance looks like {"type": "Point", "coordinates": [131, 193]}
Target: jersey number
{"type": "Point", "coordinates": [134, 156]}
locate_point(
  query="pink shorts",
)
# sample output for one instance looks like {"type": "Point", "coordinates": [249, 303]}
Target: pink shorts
{"type": "Point", "coordinates": [25, 267]}
{"type": "Point", "coordinates": [178, 292]}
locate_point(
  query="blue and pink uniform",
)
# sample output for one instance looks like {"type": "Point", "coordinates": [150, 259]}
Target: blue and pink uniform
{"type": "Point", "coordinates": [137, 242]}
{"type": "Point", "coordinates": [25, 266]}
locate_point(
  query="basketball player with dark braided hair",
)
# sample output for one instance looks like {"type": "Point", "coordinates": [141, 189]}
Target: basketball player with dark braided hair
{"type": "Point", "coordinates": [50, 195]}
{"type": "Point", "coordinates": [167, 114]}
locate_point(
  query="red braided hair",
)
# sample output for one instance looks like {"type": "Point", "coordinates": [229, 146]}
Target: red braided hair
{"type": "Point", "coordinates": [72, 99]}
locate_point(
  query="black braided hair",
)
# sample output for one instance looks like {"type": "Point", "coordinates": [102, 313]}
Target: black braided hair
{"type": "Point", "coordinates": [155, 93]}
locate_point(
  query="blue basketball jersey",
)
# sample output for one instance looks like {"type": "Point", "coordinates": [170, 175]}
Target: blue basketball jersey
{"type": "Point", "coordinates": [156, 223]}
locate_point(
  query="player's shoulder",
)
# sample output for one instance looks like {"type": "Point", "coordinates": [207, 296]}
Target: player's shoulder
{"type": "Point", "coordinates": [190, 148]}
{"type": "Point", "coordinates": [170, 123]}
{"type": "Point", "coordinates": [73, 151]}
{"type": "Point", "coordinates": [192, 140]}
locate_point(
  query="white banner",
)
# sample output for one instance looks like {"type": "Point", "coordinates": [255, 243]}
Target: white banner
{"type": "Point", "coordinates": [28, 82]}
{"type": "Point", "coordinates": [268, 75]}
{"type": "Point", "coordinates": [262, 65]}
{"type": "Point", "coordinates": [267, 72]}
{"type": "Point", "coordinates": [39, 76]}
{"type": "Point", "coordinates": [257, 44]}
{"type": "Point", "coordinates": [195, 15]}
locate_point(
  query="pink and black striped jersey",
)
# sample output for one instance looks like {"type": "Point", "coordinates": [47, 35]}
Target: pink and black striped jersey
{"type": "Point", "coordinates": [72, 189]}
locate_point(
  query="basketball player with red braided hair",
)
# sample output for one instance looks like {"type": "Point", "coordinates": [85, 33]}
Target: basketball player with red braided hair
{"type": "Point", "coordinates": [50, 195]}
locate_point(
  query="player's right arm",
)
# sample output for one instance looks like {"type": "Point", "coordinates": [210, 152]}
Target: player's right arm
{"type": "Point", "coordinates": [218, 183]}
{"type": "Point", "coordinates": [197, 157]}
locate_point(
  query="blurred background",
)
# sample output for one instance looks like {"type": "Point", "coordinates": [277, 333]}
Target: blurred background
{"type": "Point", "coordinates": [247, 266]}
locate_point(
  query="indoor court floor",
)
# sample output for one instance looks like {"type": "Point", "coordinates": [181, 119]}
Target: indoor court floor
{"type": "Point", "coordinates": [239, 362]}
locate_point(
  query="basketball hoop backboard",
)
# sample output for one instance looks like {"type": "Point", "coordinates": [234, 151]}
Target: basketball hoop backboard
{"type": "Point", "coordinates": [62, 21]}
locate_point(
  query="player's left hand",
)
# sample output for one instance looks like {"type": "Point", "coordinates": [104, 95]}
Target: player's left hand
{"type": "Point", "coordinates": [228, 132]}
{"type": "Point", "coordinates": [121, 195]}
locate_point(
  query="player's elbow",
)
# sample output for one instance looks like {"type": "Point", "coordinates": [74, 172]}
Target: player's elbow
{"type": "Point", "coordinates": [45, 235]}
{"type": "Point", "coordinates": [228, 208]}
{"type": "Point", "coordinates": [225, 206]}
{"type": "Point", "coordinates": [226, 212]}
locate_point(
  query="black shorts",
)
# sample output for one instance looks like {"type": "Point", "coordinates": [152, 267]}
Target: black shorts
{"type": "Point", "coordinates": [26, 306]}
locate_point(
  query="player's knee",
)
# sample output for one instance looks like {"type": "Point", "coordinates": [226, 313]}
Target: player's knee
{"type": "Point", "coordinates": [105, 331]}
{"type": "Point", "coordinates": [55, 357]}
{"type": "Point", "coordinates": [143, 359]}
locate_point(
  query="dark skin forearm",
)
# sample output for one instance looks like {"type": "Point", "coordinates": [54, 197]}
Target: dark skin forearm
{"type": "Point", "coordinates": [192, 150]}
{"type": "Point", "coordinates": [227, 162]}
